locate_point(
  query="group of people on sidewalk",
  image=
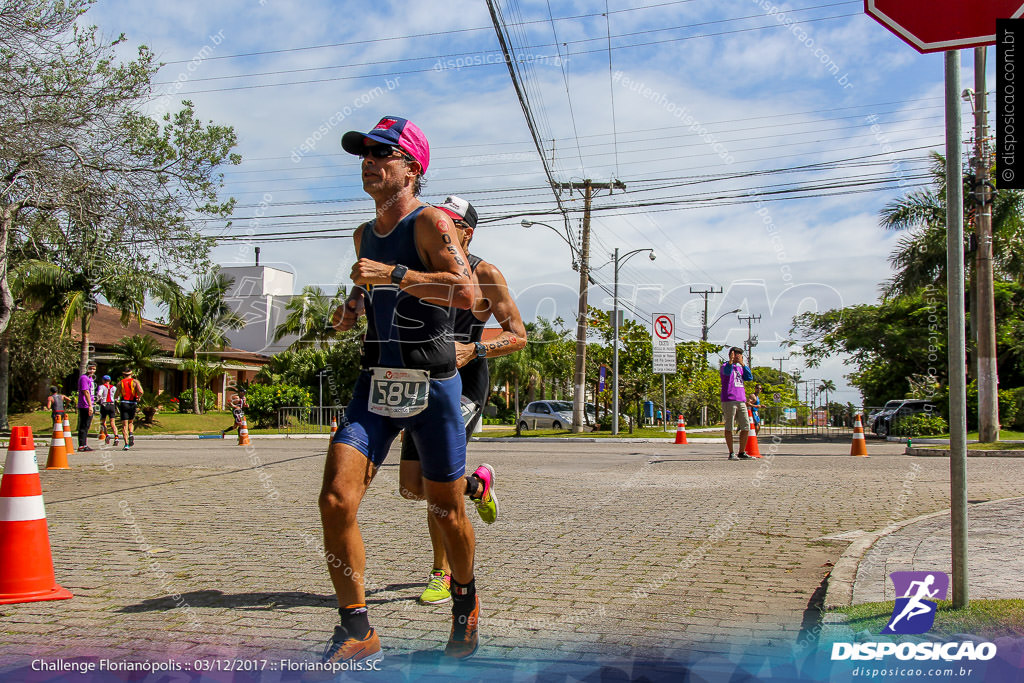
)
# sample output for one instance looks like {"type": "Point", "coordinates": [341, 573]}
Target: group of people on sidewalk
{"type": "Point", "coordinates": [109, 399]}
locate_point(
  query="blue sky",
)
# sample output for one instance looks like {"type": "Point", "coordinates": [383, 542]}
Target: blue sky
{"type": "Point", "coordinates": [694, 100]}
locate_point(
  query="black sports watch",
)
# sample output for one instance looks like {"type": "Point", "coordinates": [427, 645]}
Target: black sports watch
{"type": "Point", "coordinates": [398, 273]}
{"type": "Point", "coordinates": [481, 350]}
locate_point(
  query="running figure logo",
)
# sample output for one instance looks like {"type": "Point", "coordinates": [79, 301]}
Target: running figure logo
{"type": "Point", "coordinates": [914, 612]}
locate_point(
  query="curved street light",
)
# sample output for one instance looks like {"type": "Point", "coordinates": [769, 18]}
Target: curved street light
{"type": "Point", "coordinates": [619, 260]}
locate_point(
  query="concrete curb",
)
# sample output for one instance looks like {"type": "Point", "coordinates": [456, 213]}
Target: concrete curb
{"type": "Point", "coordinates": [839, 592]}
{"type": "Point", "coordinates": [944, 453]}
{"type": "Point", "coordinates": [843, 576]}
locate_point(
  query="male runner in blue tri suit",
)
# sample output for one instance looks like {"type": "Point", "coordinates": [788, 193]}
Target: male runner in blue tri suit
{"type": "Point", "coordinates": [410, 271]}
{"type": "Point", "coordinates": [493, 299]}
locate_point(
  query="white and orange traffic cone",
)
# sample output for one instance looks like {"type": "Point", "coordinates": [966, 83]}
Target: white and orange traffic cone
{"type": "Point", "coordinates": [751, 448]}
{"type": "Point", "coordinates": [57, 459]}
{"type": "Point", "coordinates": [243, 433]}
{"type": "Point", "coordinates": [26, 566]}
{"type": "Point", "coordinates": [69, 443]}
{"type": "Point", "coordinates": [334, 426]}
{"type": "Point", "coordinates": [681, 430]}
{"type": "Point", "coordinates": [859, 445]}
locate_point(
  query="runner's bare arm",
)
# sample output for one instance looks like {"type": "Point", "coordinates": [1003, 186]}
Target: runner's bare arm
{"type": "Point", "coordinates": [495, 300]}
{"type": "Point", "coordinates": [449, 283]}
{"type": "Point", "coordinates": [346, 315]}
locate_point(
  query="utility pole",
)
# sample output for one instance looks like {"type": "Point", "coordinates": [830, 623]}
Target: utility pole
{"type": "Point", "coordinates": [751, 342]}
{"type": "Point", "coordinates": [704, 318]}
{"type": "Point", "coordinates": [780, 362]}
{"type": "Point", "coordinates": [988, 377]}
{"type": "Point", "coordinates": [580, 379]}
{"type": "Point", "coordinates": [704, 338]}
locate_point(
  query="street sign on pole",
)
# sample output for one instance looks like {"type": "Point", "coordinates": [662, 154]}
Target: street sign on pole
{"type": "Point", "coordinates": [664, 343]}
{"type": "Point", "coordinates": [949, 25]}
{"type": "Point", "coordinates": [938, 25]}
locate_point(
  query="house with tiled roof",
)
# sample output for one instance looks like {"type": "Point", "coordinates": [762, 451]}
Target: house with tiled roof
{"type": "Point", "coordinates": [167, 375]}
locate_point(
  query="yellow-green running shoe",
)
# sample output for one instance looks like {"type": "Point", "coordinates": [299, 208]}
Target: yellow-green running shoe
{"type": "Point", "coordinates": [438, 589]}
{"type": "Point", "coordinates": [487, 503]}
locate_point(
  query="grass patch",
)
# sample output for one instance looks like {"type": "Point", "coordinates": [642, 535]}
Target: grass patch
{"type": "Point", "coordinates": [990, 446]}
{"type": "Point", "coordinates": [985, 618]}
{"type": "Point", "coordinates": [1003, 434]}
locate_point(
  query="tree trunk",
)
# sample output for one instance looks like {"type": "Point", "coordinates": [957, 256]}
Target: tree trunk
{"type": "Point", "coordinates": [517, 400]}
{"type": "Point", "coordinates": [83, 360]}
{"type": "Point", "coordinates": [6, 296]}
{"type": "Point", "coordinates": [195, 385]}
{"type": "Point", "coordinates": [5, 374]}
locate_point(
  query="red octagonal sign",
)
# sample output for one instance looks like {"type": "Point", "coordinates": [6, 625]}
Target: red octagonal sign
{"type": "Point", "coordinates": [938, 25]}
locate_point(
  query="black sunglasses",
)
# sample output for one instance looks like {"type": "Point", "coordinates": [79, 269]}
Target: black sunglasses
{"type": "Point", "coordinates": [384, 152]}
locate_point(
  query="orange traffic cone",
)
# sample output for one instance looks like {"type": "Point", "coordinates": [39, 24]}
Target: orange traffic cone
{"type": "Point", "coordinates": [752, 448]}
{"type": "Point", "coordinates": [681, 430]}
{"type": "Point", "coordinates": [57, 459]}
{"type": "Point", "coordinates": [26, 566]}
{"type": "Point", "coordinates": [859, 445]}
{"type": "Point", "coordinates": [69, 443]}
{"type": "Point", "coordinates": [334, 426]}
{"type": "Point", "coordinates": [243, 433]}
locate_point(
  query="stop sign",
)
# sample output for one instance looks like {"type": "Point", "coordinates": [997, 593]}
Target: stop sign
{"type": "Point", "coordinates": [937, 25]}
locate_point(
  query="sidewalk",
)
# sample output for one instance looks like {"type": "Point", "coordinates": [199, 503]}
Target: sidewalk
{"type": "Point", "coordinates": [862, 573]}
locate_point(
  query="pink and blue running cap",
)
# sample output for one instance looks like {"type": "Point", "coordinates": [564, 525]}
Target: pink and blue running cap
{"type": "Point", "coordinates": [391, 130]}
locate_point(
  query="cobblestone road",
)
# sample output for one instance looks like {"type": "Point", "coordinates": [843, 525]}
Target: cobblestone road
{"type": "Point", "coordinates": [610, 548]}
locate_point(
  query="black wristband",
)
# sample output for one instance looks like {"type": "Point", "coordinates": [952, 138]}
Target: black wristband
{"type": "Point", "coordinates": [398, 274]}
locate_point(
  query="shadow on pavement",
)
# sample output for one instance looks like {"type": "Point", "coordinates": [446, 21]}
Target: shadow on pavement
{"type": "Point", "coordinates": [280, 600]}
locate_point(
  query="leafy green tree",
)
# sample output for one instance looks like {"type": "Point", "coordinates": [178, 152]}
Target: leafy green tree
{"type": "Point", "coordinates": [518, 369]}
{"type": "Point", "coordinates": [38, 353]}
{"type": "Point", "coordinates": [200, 320]}
{"type": "Point", "coordinates": [309, 317]}
{"type": "Point", "coordinates": [889, 342]}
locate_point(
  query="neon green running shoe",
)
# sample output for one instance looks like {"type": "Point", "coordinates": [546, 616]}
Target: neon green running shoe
{"type": "Point", "coordinates": [438, 589]}
{"type": "Point", "coordinates": [487, 503]}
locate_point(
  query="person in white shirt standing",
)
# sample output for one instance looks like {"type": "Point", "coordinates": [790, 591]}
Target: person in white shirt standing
{"type": "Point", "coordinates": [108, 409]}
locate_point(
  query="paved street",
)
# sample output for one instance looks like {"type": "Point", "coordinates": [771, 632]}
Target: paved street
{"type": "Point", "coordinates": [602, 548]}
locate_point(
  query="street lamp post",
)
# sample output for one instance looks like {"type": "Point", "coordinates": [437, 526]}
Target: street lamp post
{"type": "Point", "coordinates": [615, 326]}
{"type": "Point", "coordinates": [582, 257]}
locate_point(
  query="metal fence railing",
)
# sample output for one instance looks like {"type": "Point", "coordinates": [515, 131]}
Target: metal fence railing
{"type": "Point", "coordinates": [804, 421]}
{"type": "Point", "coordinates": [312, 420]}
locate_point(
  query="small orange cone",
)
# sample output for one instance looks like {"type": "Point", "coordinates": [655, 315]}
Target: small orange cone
{"type": "Point", "coordinates": [57, 459]}
{"type": "Point", "coordinates": [681, 430]}
{"type": "Point", "coordinates": [752, 449]}
{"type": "Point", "coordinates": [334, 426]}
{"type": "Point", "coordinates": [69, 443]}
{"type": "Point", "coordinates": [243, 433]}
{"type": "Point", "coordinates": [26, 566]}
{"type": "Point", "coordinates": [859, 445]}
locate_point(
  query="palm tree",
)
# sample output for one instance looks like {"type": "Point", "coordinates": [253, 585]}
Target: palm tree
{"type": "Point", "coordinates": [309, 317]}
{"type": "Point", "coordinates": [67, 295]}
{"type": "Point", "coordinates": [517, 369]}
{"type": "Point", "coordinates": [137, 352]}
{"type": "Point", "coordinates": [199, 322]}
{"type": "Point", "coordinates": [920, 255]}
{"type": "Point", "coordinates": [826, 387]}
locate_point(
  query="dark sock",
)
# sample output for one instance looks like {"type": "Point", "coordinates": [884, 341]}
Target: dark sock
{"type": "Point", "coordinates": [472, 484]}
{"type": "Point", "coordinates": [355, 621]}
{"type": "Point", "coordinates": [463, 597]}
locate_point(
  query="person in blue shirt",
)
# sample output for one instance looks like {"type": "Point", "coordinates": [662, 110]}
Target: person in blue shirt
{"type": "Point", "coordinates": [754, 401]}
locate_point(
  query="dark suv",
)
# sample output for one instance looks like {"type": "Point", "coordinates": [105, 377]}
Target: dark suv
{"type": "Point", "coordinates": [894, 410]}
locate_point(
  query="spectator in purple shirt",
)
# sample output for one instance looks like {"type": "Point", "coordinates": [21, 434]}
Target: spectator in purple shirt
{"type": "Point", "coordinates": [734, 400]}
{"type": "Point", "coordinates": [86, 399]}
